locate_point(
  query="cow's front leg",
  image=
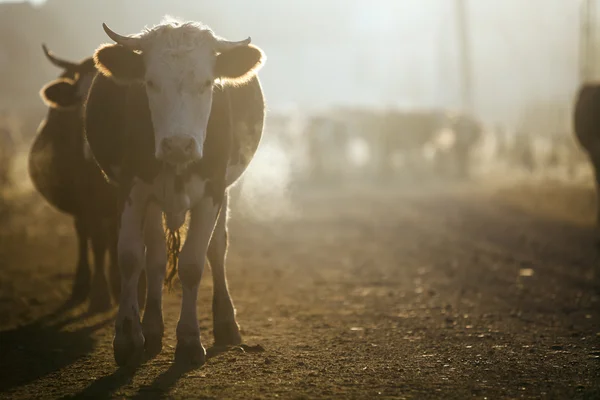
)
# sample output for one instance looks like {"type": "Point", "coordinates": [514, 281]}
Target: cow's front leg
{"type": "Point", "coordinates": [128, 343]}
{"type": "Point", "coordinates": [191, 265]}
{"type": "Point", "coordinates": [225, 328]}
{"type": "Point", "coordinates": [156, 262]}
{"type": "Point", "coordinates": [113, 268]}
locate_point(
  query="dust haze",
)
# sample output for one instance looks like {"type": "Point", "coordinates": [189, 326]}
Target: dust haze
{"type": "Point", "coordinates": [419, 221]}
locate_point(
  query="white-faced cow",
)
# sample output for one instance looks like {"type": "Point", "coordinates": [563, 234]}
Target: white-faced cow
{"type": "Point", "coordinates": [174, 117]}
{"type": "Point", "coordinates": [64, 173]}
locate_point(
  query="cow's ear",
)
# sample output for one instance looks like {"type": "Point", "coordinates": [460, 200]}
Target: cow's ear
{"type": "Point", "coordinates": [60, 94]}
{"type": "Point", "coordinates": [119, 63]}
{"type": "Point", "coordinates": [239, 65]}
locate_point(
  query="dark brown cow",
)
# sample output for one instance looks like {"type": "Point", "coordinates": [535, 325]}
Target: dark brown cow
{"type": "Point", "coordinates": [65, 174]}
{"type": "Point", "coordinates": [586, 123]}
{"type": "Point", "coordinates": [174, 118]}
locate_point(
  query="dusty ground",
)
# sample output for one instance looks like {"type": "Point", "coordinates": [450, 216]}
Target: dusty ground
{"type": "Point", "coordinates": [474, 292]}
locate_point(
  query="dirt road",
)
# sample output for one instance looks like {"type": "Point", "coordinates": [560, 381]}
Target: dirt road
{"type": "Point", "coordinates": [455, 293]}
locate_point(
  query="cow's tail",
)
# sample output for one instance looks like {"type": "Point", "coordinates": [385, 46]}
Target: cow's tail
{"type": "Point", "coordinates": [174, 243]}
{"type": "Point", "coordinates": [173, 249]}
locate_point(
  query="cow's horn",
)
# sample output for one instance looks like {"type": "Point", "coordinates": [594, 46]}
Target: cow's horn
{"type": "Point", "coordinates": [224, 45]}
{"type": "Point", "coordinates": [134, 43]}
{"type": "Point", "coordinates": [57, 61]}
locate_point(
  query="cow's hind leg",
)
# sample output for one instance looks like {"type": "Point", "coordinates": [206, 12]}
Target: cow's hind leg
{"type": "Point", "coordinates": [100, 294]}
{"type": "Point", "coordinates": [225, 328]}
{"type": "Point", "coordinates": [81, 283]}
{"type": "Point", "coordinates": [128, 344]}
{"type": "Point", "coordinates": [156, 262]}
{"type": "Point", "coordinates": [191, 265]}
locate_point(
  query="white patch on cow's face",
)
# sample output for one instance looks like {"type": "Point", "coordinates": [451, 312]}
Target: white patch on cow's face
{"type": "Point", "coordinates": [179, 82]}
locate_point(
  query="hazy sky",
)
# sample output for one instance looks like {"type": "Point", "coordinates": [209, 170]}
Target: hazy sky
{"type": "Point", "coordinates": [394, 51]}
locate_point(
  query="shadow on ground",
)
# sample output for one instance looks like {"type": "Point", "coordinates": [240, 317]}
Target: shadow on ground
{"type": "Point", "coordinates": [32, 351]}
{"type": "Point", "coordinates": [106, 386]}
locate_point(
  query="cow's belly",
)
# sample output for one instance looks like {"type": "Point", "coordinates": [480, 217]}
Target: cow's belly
{"type": "Point", "coordinates": [234, 172]}
{"type": "Point", "coordinates": [247, 137]}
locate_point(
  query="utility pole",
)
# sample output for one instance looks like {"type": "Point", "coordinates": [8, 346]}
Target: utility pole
{"type": "Point", "coordinates": [587, 56]}
{"type": "Point", "coordinates": [464, 52]}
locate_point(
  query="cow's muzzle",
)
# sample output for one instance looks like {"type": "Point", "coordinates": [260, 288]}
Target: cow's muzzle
{"type": "Point", "coordinates": [179, 149]}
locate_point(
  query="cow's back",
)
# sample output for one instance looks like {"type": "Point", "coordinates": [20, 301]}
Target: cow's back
{"type": "Point", "coordinates": [586, 118]}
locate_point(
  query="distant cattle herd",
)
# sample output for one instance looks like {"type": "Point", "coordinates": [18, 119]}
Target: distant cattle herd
{"type": "Point", "coordinates": [353, 143]}
{"type": "Point", "coordinates": [147, 135]}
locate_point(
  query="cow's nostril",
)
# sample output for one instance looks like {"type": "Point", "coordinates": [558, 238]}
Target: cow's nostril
{"type": "Point", "coordinates": [166, 144]}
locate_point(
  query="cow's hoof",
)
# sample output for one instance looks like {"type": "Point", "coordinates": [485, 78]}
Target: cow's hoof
{"type": "Point", "coordinates": [153, 329]}
{"type": "Point", "coordinates": [153, 344]}
{"type": "Point", "coordinates": [127, 353]}
{"type": "Point", "coordinates": [227, 333]}
{"type": "Point", "coordinates": [190, 352]}
{"type": "Point", "coordinates": [128, 345]}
